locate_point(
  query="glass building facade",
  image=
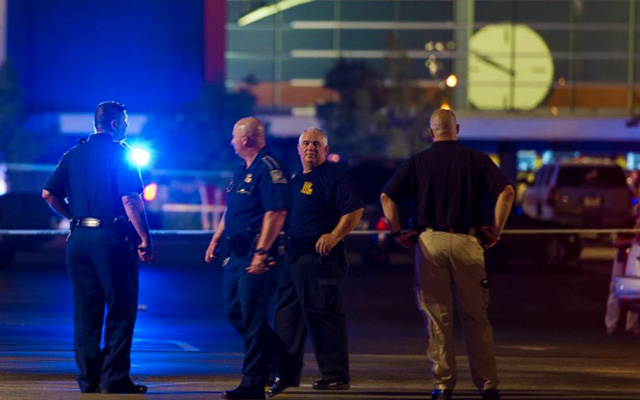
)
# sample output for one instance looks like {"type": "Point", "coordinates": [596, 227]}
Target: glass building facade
{"type": "Point", "coordinates": [289, 46]}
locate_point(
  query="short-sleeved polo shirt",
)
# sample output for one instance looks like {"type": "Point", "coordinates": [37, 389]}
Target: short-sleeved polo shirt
{"type": "Point", "coordinates": [320, 198]}
{"type": "Point", "coordinates": [253, 191]}
{"type": "Point", "coordinates": [93, 176]}
{"type": "Point", "coordinates": [447, 183]}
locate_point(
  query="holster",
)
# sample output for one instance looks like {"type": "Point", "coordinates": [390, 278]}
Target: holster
{"type": "Point", "coordinates": [240, 246]}
{"type": "Point", "coordinates": [124, 227]}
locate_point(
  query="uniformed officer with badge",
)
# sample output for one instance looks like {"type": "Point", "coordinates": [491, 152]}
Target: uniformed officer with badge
{"type": "Point", "coordinates": [98, 188]}
{"type": "Point", "coordinates": [258, 198]}
{"type": "Point", "coordinates": [446, 184]}
{"type": "Point", "coordinates": [326, 207]}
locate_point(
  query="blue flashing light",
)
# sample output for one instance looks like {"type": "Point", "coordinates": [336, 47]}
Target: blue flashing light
{"type": "Point", "coordinates": [140, 156]}
{"type": "Point", "coordinates": [634, 201]}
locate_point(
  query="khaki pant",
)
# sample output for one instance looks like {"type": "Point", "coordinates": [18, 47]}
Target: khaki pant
{"type": "Point", "coordinates": [448, 263]}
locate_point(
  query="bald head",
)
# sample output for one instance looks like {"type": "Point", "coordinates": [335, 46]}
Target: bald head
{"type": "Point", "coordinates": [248, 138]}
{"type": "Point", "coordinates": [444, 125]}
{"type": "Point", "coordinates": [253, 129]}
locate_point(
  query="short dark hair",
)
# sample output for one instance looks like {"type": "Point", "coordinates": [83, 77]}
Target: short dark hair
{"type": "Point", "coordinates": [106, 112]}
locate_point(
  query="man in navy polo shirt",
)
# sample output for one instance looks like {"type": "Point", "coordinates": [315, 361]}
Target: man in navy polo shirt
{"type": "Point", "coordinates": [326, 207]}
{"type": "Point", "coordinates": [98, 188]}
{"type": "Point", "coordinates": [258, 198]}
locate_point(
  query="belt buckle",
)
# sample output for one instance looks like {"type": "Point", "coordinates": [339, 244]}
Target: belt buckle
{"type": "Point", "coordinates": [90, 222]}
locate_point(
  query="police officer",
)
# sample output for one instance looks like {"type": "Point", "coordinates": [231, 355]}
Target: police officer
{"type": "Point", "coordinates": [257, 201]}
{"type": "Point", "coordinates": [97, 187]}
{"type": "Point", "coordinates": [326, 207]}
{"type": "Point", "coordinates": [446, 183]}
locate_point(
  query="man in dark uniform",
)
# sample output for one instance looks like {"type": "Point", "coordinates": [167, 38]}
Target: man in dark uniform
{"type": "Point", "coordinates": [257, 201]}
{"type": "Point", "coordinates": [326, 207]}
{"type": "Point", "coordinates": [446, 184]}
{"type": "Point", "coordinates": [97, 187]}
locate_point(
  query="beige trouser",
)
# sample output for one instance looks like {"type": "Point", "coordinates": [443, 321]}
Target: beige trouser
{"type": "Point", "coordinates": [448, 263]}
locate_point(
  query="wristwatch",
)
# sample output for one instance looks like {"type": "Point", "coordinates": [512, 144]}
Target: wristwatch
{"type": "Point", "coordinates": [260, 251]}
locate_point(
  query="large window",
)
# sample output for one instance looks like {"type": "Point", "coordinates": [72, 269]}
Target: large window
{"type": "Point", "coordinates": [591, 47]}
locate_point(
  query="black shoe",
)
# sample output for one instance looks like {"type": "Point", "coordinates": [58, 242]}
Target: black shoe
{"type": "Point", "coordinates": [323, 384]}
{"type": "Point", "coordinates": [243, 392]}
{"type": "Point", "coordinates": [441, 394]}
{"type": "Point", "coordinates": [278, 386]}
{"type": "Point", "coordinates": [126, 388]}
{"type": "Point", "coordinates": [491, 394]}
{"type": "Point", "coordinates": [93, 389]}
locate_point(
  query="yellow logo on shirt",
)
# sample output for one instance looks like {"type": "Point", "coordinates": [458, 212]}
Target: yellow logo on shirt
{"type": "Point", "coordinates": [307, 188]}
{"type": "Point", "coordinates": [248, 178]}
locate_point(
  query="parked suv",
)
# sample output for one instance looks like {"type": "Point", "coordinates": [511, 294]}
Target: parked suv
{"type": "Point", "coordinates": [581, 193]}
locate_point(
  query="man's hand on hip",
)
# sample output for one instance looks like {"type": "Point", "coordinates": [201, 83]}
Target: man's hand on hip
{"type": "Point", "coordinates": [489, 238]}
{"type": "Point", "coordinates": [407, 239]}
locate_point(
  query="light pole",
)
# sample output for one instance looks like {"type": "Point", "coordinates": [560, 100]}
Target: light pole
{"type": "Point", "coordinates": [464, 19]}
{"type": "Point", "coordinates": [3, 31]}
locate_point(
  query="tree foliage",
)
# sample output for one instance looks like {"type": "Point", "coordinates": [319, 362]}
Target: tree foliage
{"type": "Point", "coordinates": [15, 144]}
{"type": "Point", "coordinates": [20, 141]}
{"type": "Point", "coordinates": [376, 113]}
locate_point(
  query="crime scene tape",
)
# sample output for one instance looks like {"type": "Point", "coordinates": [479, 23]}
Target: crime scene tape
{"type": "Point", "coordinates": [55, 232]}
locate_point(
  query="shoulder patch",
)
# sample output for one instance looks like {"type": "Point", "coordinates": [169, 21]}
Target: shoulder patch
{"type": "Point", "coordinates": [271, 162]}
{"type": "Point", "coordinates": [277, 176]}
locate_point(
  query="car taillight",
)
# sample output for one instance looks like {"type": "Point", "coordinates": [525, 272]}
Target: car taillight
{"type": "Point", "coordinates": [150, 192]}
{"type": "Point", "coordinates": [552, 199]}
{"type": "Point", "coordinates": [382, 224]}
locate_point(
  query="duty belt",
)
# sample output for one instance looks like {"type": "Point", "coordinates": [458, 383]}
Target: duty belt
{"type": "Point", "coordinates": [305, 245]}
{"type": "Point", "coordinates": [91, 222]}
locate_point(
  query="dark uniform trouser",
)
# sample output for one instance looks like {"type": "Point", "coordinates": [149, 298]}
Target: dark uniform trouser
{"type": "Point", "coordinates": [310, 296]}
{"type": "Point", "coordinates": [246, 299]}
{"type": "Point", "coordinates": [103, 269]}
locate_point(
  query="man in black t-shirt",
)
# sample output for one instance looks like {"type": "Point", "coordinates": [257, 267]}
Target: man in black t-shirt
{"type": "Point", "coordinates": [326, 207]}
{"type": "Point", "coordinates": [97, 187]}
{"type": "Point", "coordinates": [446, 184]}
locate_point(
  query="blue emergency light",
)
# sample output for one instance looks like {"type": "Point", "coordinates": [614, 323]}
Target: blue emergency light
{"type": "Point", "coordinates": [140, 156]}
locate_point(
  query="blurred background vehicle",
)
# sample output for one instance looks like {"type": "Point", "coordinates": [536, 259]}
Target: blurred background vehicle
{"type": "Point", "coordinates": [24, 211]}
{"type": "Point", "coordinates": [627, 284]}
{"type": "Point", "coordinates": [537, 247]}
{"type": "Point", "coordinates": [584, 193]}
{"type": "Point", "coordinates": [567, 193]}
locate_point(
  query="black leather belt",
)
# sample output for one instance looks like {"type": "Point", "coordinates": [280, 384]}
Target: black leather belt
{"type": "Point", "coordinates": [305, 245]}
{"type": "Point", "coordinates": [91, 222]}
